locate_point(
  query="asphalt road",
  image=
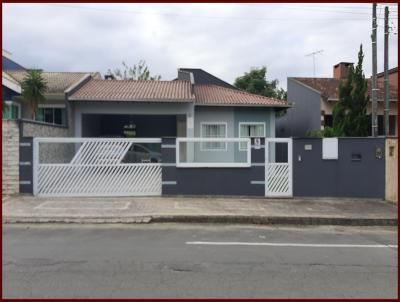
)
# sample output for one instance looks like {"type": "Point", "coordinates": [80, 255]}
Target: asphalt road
{"type": "Point", "coordinates": [207, 261]}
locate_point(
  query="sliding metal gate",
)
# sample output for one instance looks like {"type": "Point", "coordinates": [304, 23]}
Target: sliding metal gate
{"type": "Point", "coordinates": [96, 167]}
{"type": "Point", "coordinates": [278, 167]}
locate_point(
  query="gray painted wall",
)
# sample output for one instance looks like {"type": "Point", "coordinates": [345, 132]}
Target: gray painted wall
{"type": "Point", "coordinates": [313, 176]}
{"type": "Point", "coordinates": [305, 113]}
{"type": "Point", "coordinates": [26, 165]}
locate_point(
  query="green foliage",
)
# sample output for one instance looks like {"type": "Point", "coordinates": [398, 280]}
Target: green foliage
{"type": "Point", "coordinates": [256, 82]}
{"type": "Point", "coordinates": [350, 113]}
{"type": "Point", "coordinates": [139, 71]}
{"type": "Point", "coordinates": [33, 89]}
{"type": "Point", "coordinates": [317, 133]}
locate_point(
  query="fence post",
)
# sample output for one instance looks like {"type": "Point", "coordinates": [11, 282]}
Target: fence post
{"type": "Point", "coordinates": [35, 165]}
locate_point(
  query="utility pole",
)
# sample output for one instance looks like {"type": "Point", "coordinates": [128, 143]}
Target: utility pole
{"type": "Point", "coordinates": [386, 67]}
{"type": "Point", "coordinates": [313, 54]}
{"type": "Point", "coordinates": [374, 63]}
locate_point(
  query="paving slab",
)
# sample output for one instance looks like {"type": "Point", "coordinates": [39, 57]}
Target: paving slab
{"type": "Point", "coordinates": [346, 211]}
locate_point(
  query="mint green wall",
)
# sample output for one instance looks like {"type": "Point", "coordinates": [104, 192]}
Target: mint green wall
{"type": "Point", "coordinates": [232, 116]}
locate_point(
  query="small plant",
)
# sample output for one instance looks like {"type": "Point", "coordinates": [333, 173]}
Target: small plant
{"type": "Point", "coordinates": [317, 133]}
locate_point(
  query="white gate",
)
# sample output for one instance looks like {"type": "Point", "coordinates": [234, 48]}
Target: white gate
{"type": "Point", "coordinates": [278, 167]}
{"type": "Point", "coordinates": [96, 167]}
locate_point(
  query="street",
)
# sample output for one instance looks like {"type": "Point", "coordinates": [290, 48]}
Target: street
{"type": "Point", "coordinates": [198, 261]}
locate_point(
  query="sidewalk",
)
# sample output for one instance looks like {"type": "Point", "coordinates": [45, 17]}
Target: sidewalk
{"type": "Point", "coordinates": [298, 211]}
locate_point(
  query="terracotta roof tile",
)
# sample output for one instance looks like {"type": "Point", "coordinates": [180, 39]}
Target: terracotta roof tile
{"type": "Point", "coordinates": [129, 90]}
{"type": "Point", "coordinates": [329, 87]}
{"type": "Point", "coordinates": [57, 82]}
{"type": "Point", "coordinates": [217, 95]}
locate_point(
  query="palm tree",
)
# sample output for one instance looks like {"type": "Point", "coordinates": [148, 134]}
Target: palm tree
{"type": "Point", "coordinates": [33, 89]}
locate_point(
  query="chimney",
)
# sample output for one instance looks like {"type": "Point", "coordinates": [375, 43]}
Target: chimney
{"type": "Point", "coordinates": [341, 70]}
{"type": "Point", "coordinates": [109, 77]}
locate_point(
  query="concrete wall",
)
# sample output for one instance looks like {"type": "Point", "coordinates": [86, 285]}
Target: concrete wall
{"type": "Point", "coordinates": [313, 176]}
{"type": "Point", "coordinates": [39, 129]}
{"type": "Point", "coordinates": [305, 113]}
{"type": "Point", "coordinates": [391, 156]}
{"type": "Point", "coordinates": [10, 159]}
{"type": "Point", "coordinates": [211, 181]}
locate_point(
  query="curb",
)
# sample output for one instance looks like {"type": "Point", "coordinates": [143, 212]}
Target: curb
{"type": "Point", "coordinates": [259, 220]}
{"type": "Point", "coordinates": [276, 220]}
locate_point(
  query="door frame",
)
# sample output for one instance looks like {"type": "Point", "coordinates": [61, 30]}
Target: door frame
{"type": "Point", "coordinates": [289, 142]}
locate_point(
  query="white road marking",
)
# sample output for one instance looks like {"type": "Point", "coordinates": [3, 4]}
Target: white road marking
{"type": "Point", "coordinates": [292, 244]}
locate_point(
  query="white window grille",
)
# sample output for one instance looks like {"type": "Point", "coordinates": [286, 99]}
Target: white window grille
{"type": "Point", "coordinates": [251, 129]}
{"type": "Point", "coordinates": [213, 130]}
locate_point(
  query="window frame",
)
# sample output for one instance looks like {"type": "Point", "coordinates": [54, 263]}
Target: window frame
{"type": "Point", "coordinates": [202, 144]}
{"type": "Point", "coordinates": [13, 103]}
{"type": "Point", "coordinates": [53, 107]}
{"type": "Point", "coordinates": [251, 124]}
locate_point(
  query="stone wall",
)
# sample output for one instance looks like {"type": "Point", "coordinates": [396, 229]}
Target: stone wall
{"type": "Point", "coordinates": [10, 149]}
{"type": "Point", "coordinates": [39, 129]}
{"type": "Point", "coordinates": [391, 193]}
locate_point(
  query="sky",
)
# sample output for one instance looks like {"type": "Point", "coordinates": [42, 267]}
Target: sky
{"type": "Point", "coordinates": [226, 40]}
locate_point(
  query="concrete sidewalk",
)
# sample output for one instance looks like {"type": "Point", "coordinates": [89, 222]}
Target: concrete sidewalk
{"type": "Point", "coordinates": [298, 211]}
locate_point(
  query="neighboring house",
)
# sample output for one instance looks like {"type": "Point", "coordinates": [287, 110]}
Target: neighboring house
{"type": "Point", "coordinates": [53, 109]}
{"type": "Point", "coordinates": [10, 87]}
{"type": "Point", "coordinates": [183, 107]}
{"type": "Point", "coordinates": [313, 100]}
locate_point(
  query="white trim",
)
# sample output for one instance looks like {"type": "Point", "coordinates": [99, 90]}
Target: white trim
{"type": "Point", "coordinates": [289, 142]}
{"type": "Point", "coordinates": [201, 135]}
{"type": "Point", "coordinates": [212, 165]}
{"type": "Point", "coordinates": [254, 124]}
{"type": "Point", "coordinates": [51, 106]}
{"type": "Point", "coordinates": [10, 83]}
{"type": "Point", "coordinates": [7, 54]}
{"type": "Point", "coordinates": [94, 139]}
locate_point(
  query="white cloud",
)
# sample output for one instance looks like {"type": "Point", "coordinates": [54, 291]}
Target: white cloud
{"type": "Point", "coordinates": [224, 39]}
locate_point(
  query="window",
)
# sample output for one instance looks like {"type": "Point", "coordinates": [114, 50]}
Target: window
{"type": "Point", "coordinates": [11, 110]}
{"type": "Point", "coordinates": [250, 130]}
{"type": "Point", "coordinates": [213, 130]}
{"type": "Point", "coordinates": [52, 114]}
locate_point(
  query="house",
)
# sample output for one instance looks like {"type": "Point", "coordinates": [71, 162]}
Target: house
{"type": "Point", "coordinates": [10, 87]}
{"type": "Point", "coordinates": [180, 108]}
{"type": "Point", "coordinates": [53, 109]}
{"type": "Point", "coordinates": [313, 100]}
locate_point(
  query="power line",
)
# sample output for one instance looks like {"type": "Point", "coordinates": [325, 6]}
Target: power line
{"type": "Point", "coordinates": [204, 17]}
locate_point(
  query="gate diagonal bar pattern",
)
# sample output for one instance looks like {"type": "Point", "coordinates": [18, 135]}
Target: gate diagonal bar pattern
{"type": "Point", "coordinates": [278, 175]}
{"type": "Point", "coordinates": [278, 178]}
{"type": "Point", "coordinates": [97, 170]}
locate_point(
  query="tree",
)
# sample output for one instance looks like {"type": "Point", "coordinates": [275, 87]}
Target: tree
{"type": "Point", "coordinates": [139, 71]}
{"type": "Point", "coordinates": [256, 82]}
{"type": "Point", "coordinates": [350, 113]}
{"type": "Point", "coordinates": [33, 89]}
